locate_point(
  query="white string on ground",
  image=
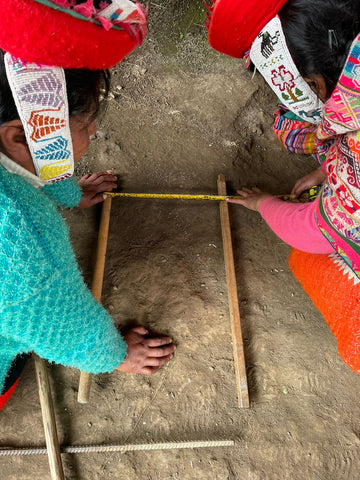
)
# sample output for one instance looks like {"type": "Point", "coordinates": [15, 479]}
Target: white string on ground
{"type": "Point", "coordinates": [8, 451]}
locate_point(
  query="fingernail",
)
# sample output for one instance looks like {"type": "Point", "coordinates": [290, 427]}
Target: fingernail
{"type": "Point", "coordinates": [105, 197]}
{"type": "Point", "coordinates": [108, 171]}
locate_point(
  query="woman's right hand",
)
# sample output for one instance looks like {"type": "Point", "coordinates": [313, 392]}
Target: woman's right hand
{"type": "Point", "coordinates": [145, 354]}
{"type": "Point", "coordinates": [252, 198]}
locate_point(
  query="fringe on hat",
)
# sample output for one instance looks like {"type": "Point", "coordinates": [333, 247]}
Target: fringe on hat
{"type": "Point", "coordinates": [209, 9]}
{"type": "Point", "coordinates": [135, 25]}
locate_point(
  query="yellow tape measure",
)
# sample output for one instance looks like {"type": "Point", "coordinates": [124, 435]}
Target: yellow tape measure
{"type": "Point", "coordinates": [170, 195]}
{"type": "Point", "coordinates": [311, 194]}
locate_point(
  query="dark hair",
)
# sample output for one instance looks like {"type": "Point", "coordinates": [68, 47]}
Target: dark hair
{"type": "Point", "coordinates": [83, 91]}
{"type": "Point", "coordinates": [319, 34]}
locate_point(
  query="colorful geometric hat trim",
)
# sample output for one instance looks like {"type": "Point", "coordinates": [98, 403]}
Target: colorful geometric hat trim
{"type": "Point", "coordinates": [117, 14]}
{"type": "Point", "coordinates": [41, 101]}
{"type": "Point", "coordinates": [234, 24]}
{"type": "Point", "coordinates": [271, 56]}
{"type": "Point", "coordinates": [70, 34]}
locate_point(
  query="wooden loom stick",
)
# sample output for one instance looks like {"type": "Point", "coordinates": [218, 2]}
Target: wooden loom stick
{"type": "Point", "coordinates": [238, 347]}
{"type": "Point", "coordinates": [48, 416]}
{"type": "Point", "coordinates": [96, 288]}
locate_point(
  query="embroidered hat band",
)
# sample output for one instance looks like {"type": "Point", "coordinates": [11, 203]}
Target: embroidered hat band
{"type": "Point", "coordinates": [271, 56]}
{"type": "Point", "coordinates": [41, 37]}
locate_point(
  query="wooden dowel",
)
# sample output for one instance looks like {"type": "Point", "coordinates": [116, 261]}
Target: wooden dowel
{"type": "Point", "coordinates": [97, 283]}
{"type": "Point", "coordinates": [238, 347]}
{"type": "Point", "coordinates": [48, 416]}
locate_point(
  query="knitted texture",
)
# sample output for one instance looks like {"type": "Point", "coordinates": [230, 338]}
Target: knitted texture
{"type": "Point", "coordinates": [40, 34]}
{"type": "Point", "coordinates": [45, 305]}
{"type": "Point", "coordinates": [336, 295]}
{"type": "Point", "coordinates": [66, 194]}
{"type": "Point", "coordinates": [297, 136]}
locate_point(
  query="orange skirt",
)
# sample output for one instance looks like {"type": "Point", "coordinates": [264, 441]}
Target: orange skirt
{"type": "Point", "coordinates": [337, 297]}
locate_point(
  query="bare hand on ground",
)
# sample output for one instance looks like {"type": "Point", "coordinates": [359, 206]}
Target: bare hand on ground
{"type": "Point", "coordinates": [93, 187]}
{"type": "Point", "coordinates": [253, 198]}
{"type": "Point", "coordinates": [144, 354]}
{"type": "Point", "coordinates": [316, 177]}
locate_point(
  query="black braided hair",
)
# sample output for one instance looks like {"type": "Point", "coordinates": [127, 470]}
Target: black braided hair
{"type": "Point", "coordinates": [319, 34]}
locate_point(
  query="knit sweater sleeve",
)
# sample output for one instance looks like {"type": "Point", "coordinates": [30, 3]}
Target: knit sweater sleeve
{"type": "Point", "coordinates": [45, 305]}
{"type": "Point", "coordinates": [295, 224]}
{"type": "Point", "coordinates": [66, 194]}
{"type": "Point", "coordinates": [69, 327]}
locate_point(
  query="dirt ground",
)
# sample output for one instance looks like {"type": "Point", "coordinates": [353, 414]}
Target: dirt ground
{"type": "Point", "coordinates": [180, 114]}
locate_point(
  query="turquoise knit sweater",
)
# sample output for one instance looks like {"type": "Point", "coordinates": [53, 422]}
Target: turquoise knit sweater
{"type": "Point", "coordinates": [45, 307]}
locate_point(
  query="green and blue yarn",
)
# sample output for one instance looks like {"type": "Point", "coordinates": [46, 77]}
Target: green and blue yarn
{"type": "Point", "coordinates": [45, 306]}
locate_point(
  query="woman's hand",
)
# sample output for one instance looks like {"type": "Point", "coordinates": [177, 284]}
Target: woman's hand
{"type": "Point", "coordinates": [253, 198]}
{"type": "Point", "coordinates": [145, 354]}
{"type": "Point", "coordinates": [93, 187]}
{"type": "Point", "coordinates": [316, 177]}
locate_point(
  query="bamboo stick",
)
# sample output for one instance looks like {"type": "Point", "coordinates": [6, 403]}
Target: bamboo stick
{"type": "Point", "coordinates": [48, 416]}
{"type": "Point", "coordinates": [238, 347]}
{"type": "Point", "coordinates": [96, 288]}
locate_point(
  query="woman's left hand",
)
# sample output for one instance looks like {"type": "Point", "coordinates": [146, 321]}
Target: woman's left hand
{"type": "Point", "coordinates": [94, 185]}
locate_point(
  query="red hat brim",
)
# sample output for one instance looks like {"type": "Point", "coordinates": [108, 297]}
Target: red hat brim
{"type": "Point", "coordinates": [37, 33]}
{"type": "Point", "coordinates": [234, 24]}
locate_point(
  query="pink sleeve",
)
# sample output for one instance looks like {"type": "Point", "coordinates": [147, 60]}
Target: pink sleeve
{"type": "Point", "coordinates": [323, 168]}
{"type": "Point", "coordinates": [295, 224]}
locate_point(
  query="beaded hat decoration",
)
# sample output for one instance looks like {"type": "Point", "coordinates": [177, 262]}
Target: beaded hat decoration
{"type": "Point", "coordinates": [41, 101]}
{"type": "Point", "coordinates": [234, 24]}
{"type": "Point", "coordinates": [271, 56]}
{"type": "Point", "coordinates": [105, 31]}
{"type": "Point", "coordinates": [239, 27]}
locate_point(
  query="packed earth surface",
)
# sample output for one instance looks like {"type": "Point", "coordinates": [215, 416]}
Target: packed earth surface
{"type": "Point", "coordinates": [179, 114]}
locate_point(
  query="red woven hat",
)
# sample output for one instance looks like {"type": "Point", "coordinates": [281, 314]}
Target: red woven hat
{"type": "Point", "coordinates": [234, 24]}
{"type": "Point", "coordinates": [50, 32]}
